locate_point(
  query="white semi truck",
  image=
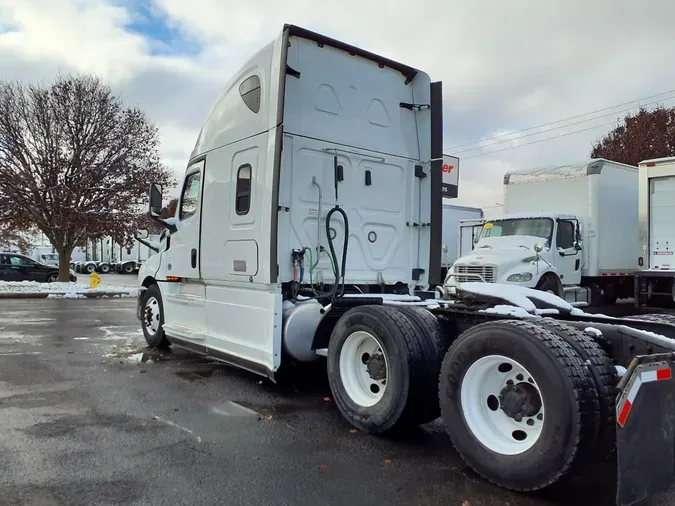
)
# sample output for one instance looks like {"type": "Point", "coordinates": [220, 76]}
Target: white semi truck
{"type": "Point", "coordinates": [654, 284]}
{"type": "Point", "coordinates": [310, 210]}
{"type": "Point", "coordinates": [568, 230]}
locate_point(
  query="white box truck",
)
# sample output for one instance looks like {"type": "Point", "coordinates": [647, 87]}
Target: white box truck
{"type": "Point", "coordinates": [310, 209]}
{"type": "Point", "coordinates": [452, 217]}
{"type": "Point", "coordinates": [656, 262]}
{"type": "Point", "coordinates": [569, 230]}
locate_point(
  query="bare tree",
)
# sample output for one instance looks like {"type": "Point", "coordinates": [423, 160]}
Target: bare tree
{"type": "Point", "coordinates": [74, 162]}
{"type": "Point", "coordinates": [14, 238]}
{"type": "Point", "coordinates": [641, 136]}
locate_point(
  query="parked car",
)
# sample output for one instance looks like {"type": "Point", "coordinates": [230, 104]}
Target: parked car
{"type": "Point", "coordinates": [17, 267]}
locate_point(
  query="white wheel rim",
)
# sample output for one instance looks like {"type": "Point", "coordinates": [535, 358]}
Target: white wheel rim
{"type": "Point", "coordinates": [483, 383]}
{"type": "Point", "coordinates": [360, 351]}
{"type": "Point", "coordinates": [151, 315]}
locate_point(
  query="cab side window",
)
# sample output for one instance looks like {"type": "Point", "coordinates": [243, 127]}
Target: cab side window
{"type": "Point", "coordinates": [565, 235]}
{"type": "Point", "coordinates": [189, 200]}
{"type": "Point", "coordinates": [243, 190]}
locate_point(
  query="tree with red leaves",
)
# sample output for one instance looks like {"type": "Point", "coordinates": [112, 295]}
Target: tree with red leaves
{"type": "Point", "coordinates": [641, 136]}
{"type": "Point", "coordinates": [74, 162]}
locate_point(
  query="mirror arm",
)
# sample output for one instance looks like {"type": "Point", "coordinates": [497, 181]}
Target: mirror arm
{"type": "Point", "coordinates": [172, 228]}
{"type": "Point", "coordinates": [145, 243]}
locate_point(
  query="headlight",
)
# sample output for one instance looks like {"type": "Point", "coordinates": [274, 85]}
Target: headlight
{"type": "Point", "coordinates": [529, 259]}
{"type": "Point", "coordinates": [520, 277]}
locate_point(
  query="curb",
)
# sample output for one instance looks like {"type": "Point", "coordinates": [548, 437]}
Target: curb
{"type": "Point", "coordinates": [41, 295]}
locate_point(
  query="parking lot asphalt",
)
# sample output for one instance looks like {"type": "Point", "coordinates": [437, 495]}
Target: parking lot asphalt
{"type": "Point", "coordinates": [84, 422]}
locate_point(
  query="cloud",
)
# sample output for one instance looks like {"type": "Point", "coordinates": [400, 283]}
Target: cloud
{"type": "Point", "coordinates": [506, 66]}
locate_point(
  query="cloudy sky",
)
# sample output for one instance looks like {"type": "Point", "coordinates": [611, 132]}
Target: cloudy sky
{"type": "Point", "coordinates": [506, 66]}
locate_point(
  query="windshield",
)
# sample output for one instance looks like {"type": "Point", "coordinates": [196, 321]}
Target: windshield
{"type": "Point", "coordinates": [50, 258]}
{"type": "Point", "coordinates": [535, 227]}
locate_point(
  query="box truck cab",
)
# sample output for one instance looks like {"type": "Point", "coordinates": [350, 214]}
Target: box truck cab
{"type": "Point", "coordinates": [567, 230]}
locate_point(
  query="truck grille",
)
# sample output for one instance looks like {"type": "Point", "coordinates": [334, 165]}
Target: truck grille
{"type": "Point", "coordinates": [487, 273]}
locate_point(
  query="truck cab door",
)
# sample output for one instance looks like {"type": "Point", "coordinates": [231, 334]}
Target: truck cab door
{"type": "Point", "coordinates": [183, 254]}
{"type": "Point", "coordinates": [568, 258]}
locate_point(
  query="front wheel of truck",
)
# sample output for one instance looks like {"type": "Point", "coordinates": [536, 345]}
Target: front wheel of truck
{"type": "Point", "coordinates": [152, 318]}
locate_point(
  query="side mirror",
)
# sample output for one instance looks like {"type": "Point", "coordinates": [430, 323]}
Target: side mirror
{"type": "Point", "coordinates": [141, 233]}
{"type": "Point", "coordinates": [539, 247]}
{"type": "Point", "coordinates": [578, 244]}
{"type": "Point", "coordinates": [156, 199]}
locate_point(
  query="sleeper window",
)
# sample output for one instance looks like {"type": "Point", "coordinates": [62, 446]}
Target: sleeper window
{"type": "Point", "coordinates": [190, 198]}
{"type": "Point", "coordinates": [250, 93]}
{"type": "Point", "coordinates": [243, 196]}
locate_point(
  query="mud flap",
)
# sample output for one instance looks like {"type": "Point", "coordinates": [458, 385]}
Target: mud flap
{"type": "Point", "coordinates": [645, 431]}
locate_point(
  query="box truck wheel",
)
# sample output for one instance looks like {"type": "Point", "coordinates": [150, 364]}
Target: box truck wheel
{"type": "Point", "coordinates": [549, 283]}
{"type": "Point", "coordinates": [128, 268]}
{"type": "Point", "coordinates": [512, 399]}
{"type": "Point", "coordinates": [603, 374]}
{"type": "Point", "coordinates": [377, 369]}
{"type": "Point", "coordinates": [152, 318]}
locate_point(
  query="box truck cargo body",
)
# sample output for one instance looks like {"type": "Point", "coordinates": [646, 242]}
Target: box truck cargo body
{"type": "Point", "coordinates": [656, 261]}
{"type": "Point", "coordinates": [583, 216]}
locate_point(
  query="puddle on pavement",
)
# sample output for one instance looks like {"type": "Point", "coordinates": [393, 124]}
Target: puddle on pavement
{"type": "Point", "coordinates": [234, 409]}
{"type": "Point", "coordinates": [281, 409]}
{"type": "Point", "coordinates": [194, 375]}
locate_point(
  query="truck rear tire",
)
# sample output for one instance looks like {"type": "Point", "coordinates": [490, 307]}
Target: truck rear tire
{"type": "Point", "coordinates": [496, 379]}
{"type": "Point", "coordinates": [432, 343]}
{"type": "Point", "coordinates": [128, 268]}
{"type": "Point", "coordinates": [603, 374]}
{"type": "Point", "coordinates": [378, 369]}
{"type": "Point", "coordinates": [152, 318]}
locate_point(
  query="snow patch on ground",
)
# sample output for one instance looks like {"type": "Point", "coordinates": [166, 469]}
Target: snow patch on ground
{"type": "Point", "coordinates": [63, 290]}
{"type": "Point", "coordinates": [67, 295]}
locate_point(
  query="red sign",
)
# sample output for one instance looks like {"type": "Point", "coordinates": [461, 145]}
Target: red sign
{"type": "Point", "coordinates": [448, 168]}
